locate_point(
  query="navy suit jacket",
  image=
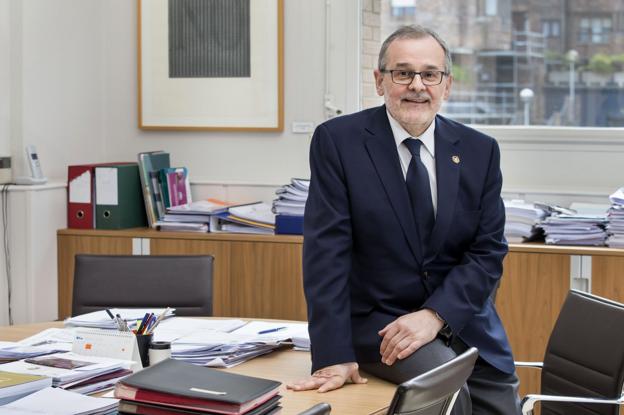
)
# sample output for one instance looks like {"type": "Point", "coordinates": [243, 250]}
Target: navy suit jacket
{"type": "Point", "coordinates": [363, 264]}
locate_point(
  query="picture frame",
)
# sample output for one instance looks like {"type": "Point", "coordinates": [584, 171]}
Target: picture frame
{"type": "Point", "coordinates": [210, 65]}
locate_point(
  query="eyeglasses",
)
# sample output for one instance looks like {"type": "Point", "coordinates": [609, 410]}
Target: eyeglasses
{"type": "Point", "coordinates": [401, 77]}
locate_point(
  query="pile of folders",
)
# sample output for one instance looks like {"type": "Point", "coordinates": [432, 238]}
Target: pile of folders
{"type": "Point", "coordinates": [175, 387]}
{"type": "Point", "coordinates": [120, 195]}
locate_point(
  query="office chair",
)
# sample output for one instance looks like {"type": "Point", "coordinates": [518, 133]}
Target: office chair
{"type": "Point", "coordinates": [126, 281]}
{"type": "Point", "coordinates": [434, 392]}
{"type": "Point", "coordinates": [583, 368]}
{"type": "Point", "coordinates": [318, 409]}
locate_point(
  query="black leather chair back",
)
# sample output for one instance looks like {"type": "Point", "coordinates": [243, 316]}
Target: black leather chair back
{"type": "Point", "coordinates": [128, 281]}
{"type": "Point", "coordinates": [318, 409]}
{"type": "Point", "coordinates": [585, 355]}
{"type": "Point", "coordinates": [432, 392]}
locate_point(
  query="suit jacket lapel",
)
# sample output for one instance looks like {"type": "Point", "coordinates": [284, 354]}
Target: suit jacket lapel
{"type": "Point", "coordinates": [382, 150]}
{"type": "Point", "coordinates": [448, 162]}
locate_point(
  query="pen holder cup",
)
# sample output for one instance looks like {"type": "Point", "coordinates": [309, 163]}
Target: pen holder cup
{"type": "Point", "coordinates": [143, 343]}
{"type": "Point", "coordinates": [159, 351]}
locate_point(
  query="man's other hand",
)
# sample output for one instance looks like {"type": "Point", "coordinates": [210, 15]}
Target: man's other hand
{"type": "Point", "coordinates": [407, 334]}
{"type": "Point", "coordinates": [329, 378]}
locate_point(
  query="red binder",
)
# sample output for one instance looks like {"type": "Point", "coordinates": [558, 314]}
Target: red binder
{"type": "Point", "coordinates": [81, 195]}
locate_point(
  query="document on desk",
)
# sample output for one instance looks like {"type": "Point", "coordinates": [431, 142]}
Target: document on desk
{"type": "Point", "coordinates": [55, 401]}
{"type": "Point", "coordinates": [174, 328]}
{"type": "Point", "coordinates": [48, 341]}
{"type": "Point", "coordinates": [102, 320]}
{"type": "Point", "coordinates": [220, 349]}
{"type": "Point", "coordinates": [66, 368]}
{"type": "Point", "coordinates": [270, 331]}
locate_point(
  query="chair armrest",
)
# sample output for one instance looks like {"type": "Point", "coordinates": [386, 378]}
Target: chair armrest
{"type": "Point", "coordinates": [528, 402]}
{"type": "Point", "coordinates": [534, 365]}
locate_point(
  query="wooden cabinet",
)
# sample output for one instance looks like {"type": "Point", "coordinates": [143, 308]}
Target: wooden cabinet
{"type": "Point", "coordinates": [254, 275]}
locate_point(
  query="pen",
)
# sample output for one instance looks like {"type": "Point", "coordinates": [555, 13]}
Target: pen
{"type": "Point", "coordinates": [143, 324]}
{"type": "Point", "coordinates": [158, 320]}
{"type": "Point", "coordinates": [110, 314]}
{"type": "Point", "coordinates": [271, 330]}
{"type": "Point", "coordinates": [122, 323]}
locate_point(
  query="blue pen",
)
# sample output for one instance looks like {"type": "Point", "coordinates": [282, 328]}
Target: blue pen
{"type": "Point", "coordinates": [271, 330]}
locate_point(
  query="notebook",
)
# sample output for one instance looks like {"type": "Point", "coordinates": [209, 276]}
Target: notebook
{"type": "Point", "coordinates": [184, 385]}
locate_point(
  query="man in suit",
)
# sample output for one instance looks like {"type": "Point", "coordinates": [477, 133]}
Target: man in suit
{"type": "Point", "coordinates": [403, 236]}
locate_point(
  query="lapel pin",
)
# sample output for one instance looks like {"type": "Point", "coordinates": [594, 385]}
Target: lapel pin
{"type": "Point", "coordinates": [455, 159]}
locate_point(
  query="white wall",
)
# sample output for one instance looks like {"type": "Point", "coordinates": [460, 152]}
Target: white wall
{"type": "Point", "coordinates": [5, 71]}
{"type": "Point", "coordinates": [220, 156]}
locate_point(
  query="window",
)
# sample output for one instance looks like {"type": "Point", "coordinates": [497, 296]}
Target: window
{"type": "Point", "coordinates": [577, 78]}
{"type": "Point", "coordinates": [487, 7]}
{"type": "Point", "coordinates": [551, 28]}
{"type": "Point", "coordinates": [594, 30]}
{"type": "Point", "coordinates": [401, 8]}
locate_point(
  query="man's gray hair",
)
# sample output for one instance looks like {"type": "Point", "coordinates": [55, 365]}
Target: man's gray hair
{"type": "Point", "coordinates": [414, 32]}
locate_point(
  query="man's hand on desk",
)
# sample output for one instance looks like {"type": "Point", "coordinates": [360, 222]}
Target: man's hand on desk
{"type": "Point", "coordinates": [329, 378]}
{"type": "Point", "coordinates": [407, 334]}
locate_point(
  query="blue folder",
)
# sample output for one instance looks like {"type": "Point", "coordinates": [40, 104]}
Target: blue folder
{"type": "Point", "coordinates": [288, 225]}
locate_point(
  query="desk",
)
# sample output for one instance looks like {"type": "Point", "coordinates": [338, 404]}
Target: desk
{"type": "Point", "coordinates": [283, 366]}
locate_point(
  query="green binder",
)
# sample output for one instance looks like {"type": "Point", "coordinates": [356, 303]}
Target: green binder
{"type": "Point", "coordinates": [118, 197]}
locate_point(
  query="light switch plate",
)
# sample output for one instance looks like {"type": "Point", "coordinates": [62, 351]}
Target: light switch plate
{"type": "Point", "coordinates": [302, 127]}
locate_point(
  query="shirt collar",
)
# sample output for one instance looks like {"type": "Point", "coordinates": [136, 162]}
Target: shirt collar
{"type": "Point", "coordinates": [400, 134]}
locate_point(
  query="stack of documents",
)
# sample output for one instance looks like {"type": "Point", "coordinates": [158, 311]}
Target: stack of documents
{"type": "Point", "coordinates": [521, 220]}
{"type": "Point", "coordinates": [251, 218]}
{"type": "Point", "coordinates": [14, 386]}
{"type": "Point", "coordinates": [615, 225]}
{"type": "Point", "coordinates": [291, 198]}
{"type": "Point", "coordinates": [70, 369]}
{"type": "Point", "coordinates": [102, 319]}
{"type": "Point", "coordinates": [176, 327]}
{"type": "Point", "coordinates": [586, 227]}
{"type": "Point", "coordinates": [222, 349]}
{"type": "Point", "coordinates": [49, 341]}
{"type": "Point", "coordinates": [54, 401]}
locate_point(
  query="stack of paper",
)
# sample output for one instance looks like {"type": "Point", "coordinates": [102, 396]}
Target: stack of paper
{"type": "Point", "coordinates": [102, 319]}
{"type": "Point", "coordinates": [586, 227]}
{"type": "Point", "coordinates": [252, 218]}
{"type": "Point", "coordinates": [182, 226]}
{"type": "Point", "coordinates": [521, 220]}
{"type": "Point", "coordinates": [615, 225]}
{"type": "Point", "coordinates": [14, 386]}
{"type": "Point", "coordinates": [49, 341]}
{"type": "Point", "coordinates": [176, 327]}
{"type": "Point", "coordinates": [54, 401]}
{"type": "Point", "coordinates": [70, 369]}
{"type": "Point", "coordinates": [220, 349]}
{"type": "Point", "coordinates": [292, 198]}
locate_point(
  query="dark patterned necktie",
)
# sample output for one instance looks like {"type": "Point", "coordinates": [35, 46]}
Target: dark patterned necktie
{"type": "Point", "coordinates": [417, 181]}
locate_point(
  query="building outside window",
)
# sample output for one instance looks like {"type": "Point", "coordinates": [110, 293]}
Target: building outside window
{"type": "Point", "coordinates": [551, 28]}
{"type": "Point", "coordinates": [565, 51]}
{"type": "Point", "coordinates": [595, 30]}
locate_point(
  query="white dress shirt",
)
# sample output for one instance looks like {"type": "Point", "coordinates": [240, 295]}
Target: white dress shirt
{"type": "Point", "coordinates": [427, 153]}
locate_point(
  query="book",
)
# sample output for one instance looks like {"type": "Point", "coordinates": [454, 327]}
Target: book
{"type": "Point", "coordinates": [152, 162]}
{"type": "Point", "coordinates": [197, 388]}
{"type": "Point", "coordinates": [209, 206]}
{"type": "Point", "coordinates": [141, 408]}
{"type": "Point", "coordinates": [176, 187]}
{"type": "Point", "coordinates": [16, 385]}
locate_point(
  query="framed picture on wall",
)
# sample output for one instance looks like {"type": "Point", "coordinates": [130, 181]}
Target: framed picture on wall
{"type": "Point", "coordinates": [210, 65]}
